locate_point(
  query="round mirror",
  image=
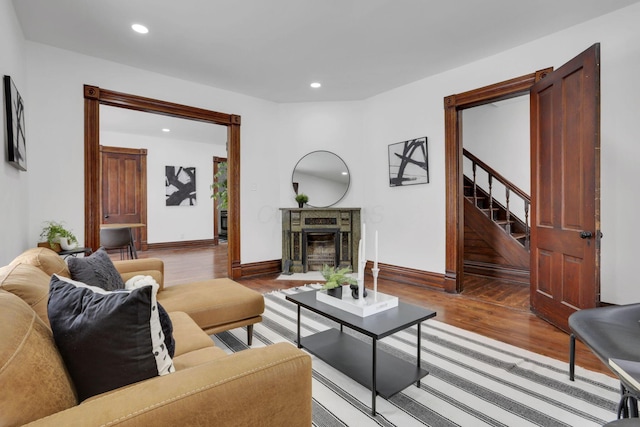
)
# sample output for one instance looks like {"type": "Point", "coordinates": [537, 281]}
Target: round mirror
{"type": "Point", "coordinates": [323, 176]}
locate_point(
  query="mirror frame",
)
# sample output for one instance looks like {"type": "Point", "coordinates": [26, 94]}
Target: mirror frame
{"type": "Point", "coordinates": [295, 190]}
{"type": "Point", "coordinates": [95, 96]}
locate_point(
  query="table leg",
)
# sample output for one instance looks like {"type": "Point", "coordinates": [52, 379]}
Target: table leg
{"type": "Point", "coordinates": [132, 245]}
{"type": "Point", "coordinates": [419, 346]}
{"type": "Point", "coordinates": [374, 393]}
{"type": "Point", "coordinates": [299, 345]}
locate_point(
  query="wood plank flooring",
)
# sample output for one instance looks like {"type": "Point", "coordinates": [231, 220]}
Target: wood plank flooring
{"type": "Point", "coordinates": [495, 309]}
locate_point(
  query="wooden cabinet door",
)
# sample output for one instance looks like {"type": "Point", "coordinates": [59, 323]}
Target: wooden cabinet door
{"type": "Point", "coordinates": [124, 189]}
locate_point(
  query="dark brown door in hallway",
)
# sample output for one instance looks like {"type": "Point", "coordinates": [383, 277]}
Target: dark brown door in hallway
{"type": "Point", "coordinates": [124, 189]}
{"type": "Point", "coordinates": [565, 187]}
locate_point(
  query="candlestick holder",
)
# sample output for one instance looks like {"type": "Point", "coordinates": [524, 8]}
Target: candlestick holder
{"type": "Point", "coordinates": [375, 272]}
{"type": "Point", "coordinates": [361, 292]}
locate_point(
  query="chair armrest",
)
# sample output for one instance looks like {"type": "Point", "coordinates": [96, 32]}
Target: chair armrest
{"type": "Point", "coordinates": [256, 387]}
{"type": "Point", "coordinates": [153, 267]}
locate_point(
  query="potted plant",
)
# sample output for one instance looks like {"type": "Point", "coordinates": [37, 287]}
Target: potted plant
{"type": "Point", "coordinates": [219, 186]}
{"type": "Point", "coordinates": [57, 237]}
{"type": "Point", "coordinates": [302, 199]}
{"type": "Point", "coordinates": [335, 279]}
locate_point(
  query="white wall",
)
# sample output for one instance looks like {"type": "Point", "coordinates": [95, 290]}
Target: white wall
{"type": "Point", "coordinates": [499, 135]}
{"type": "Point", "coordinates": [56, 184]}
{"type": "Point", "coordinates": [411, 220]}
{"type": "Point", "coordinates": [174, 223]}
{"type": "Point", "coordinates": [330, 126]}
{"type": "Point", "coordinates": [14, 227]}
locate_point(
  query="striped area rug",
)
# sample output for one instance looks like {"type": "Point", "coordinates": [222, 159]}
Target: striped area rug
{"type": "Point", "coordinates": [472, 381]}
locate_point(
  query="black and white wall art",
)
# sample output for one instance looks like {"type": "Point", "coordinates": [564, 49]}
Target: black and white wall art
{"type": "Point", "coordinates": [14, 113]}
{"type": "Point", "coordinates": [408, 162]}
{"type": "Point", "coordinates": [180, 183]}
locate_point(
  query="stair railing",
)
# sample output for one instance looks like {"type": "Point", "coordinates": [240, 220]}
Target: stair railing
{"type": "Point", "coordinates": [509, 188]}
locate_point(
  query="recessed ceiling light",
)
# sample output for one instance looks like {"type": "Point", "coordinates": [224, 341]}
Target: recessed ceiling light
{"type": "Point", "coordinates": [139, 28]}
{"type": "Point", "coordinates": [166, 130]}
{"type": "Point", "coordinates": [315, 85]}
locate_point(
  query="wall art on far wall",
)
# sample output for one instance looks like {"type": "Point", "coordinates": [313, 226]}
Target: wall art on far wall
{"type": "Point", "coordinates": [180, 183]}
{"type": "Point", "coordinates": [14, 113]}
{"type": "Point", "coordinates": [409, 162]}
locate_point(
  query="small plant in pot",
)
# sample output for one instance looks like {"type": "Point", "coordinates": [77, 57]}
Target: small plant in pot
{"type": "Point", "coordinates": [302, 199]}
{"type": "Point", "coordinates": [336, 278]}
{"type": "Point", "coordinates": [57, 237]}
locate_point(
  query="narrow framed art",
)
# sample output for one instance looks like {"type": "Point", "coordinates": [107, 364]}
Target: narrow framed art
{"type": "Point", "coordinates": [180, 183]}
{"type": "Point", "coordinates": [14, 113]}
{"type": "Point", "coordinates": [409, 162]}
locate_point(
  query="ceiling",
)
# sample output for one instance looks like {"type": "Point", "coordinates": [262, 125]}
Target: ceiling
{"type": "Point", "coordinates": [122, 120]}
{"type": "Point", "coordinates": [274, 49]}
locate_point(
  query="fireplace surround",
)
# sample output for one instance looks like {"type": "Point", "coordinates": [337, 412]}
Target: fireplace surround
{"type": "Point", "coordinates": [312, 237]}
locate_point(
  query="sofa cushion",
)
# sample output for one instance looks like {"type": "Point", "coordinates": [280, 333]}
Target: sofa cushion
{"type": "Point", "coordinates": [107, 339]}
{"type": "Point", "coordinates": [45, 259]}
{"type": "Point", "coordinates": [96, 270]}
{"type": "Point", "coordinates": [213, 303]}
{"type": "Point", "coordinates": [29, 283]}
{"type": "Point", "coordinates": [198, 357]}
{"type": "Point", "coordinates": [188, 335]}
{"type": "Point", "coordinates": [34, 380]}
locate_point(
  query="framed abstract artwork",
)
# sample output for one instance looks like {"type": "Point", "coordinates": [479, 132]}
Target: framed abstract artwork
{"type": "Point", "coordinates": [14, 113]}
{"type": "Point", "coordinates": [409, 162]}
{"type": "Point", "coordinates": [180, 183]}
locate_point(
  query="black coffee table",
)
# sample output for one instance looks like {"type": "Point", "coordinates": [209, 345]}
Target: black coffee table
{"type": "Point", "coordinates": [383, 373]}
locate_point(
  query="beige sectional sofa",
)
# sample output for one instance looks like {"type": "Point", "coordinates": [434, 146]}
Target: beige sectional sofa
{"type": "Point", "coordinates": [256, 387]}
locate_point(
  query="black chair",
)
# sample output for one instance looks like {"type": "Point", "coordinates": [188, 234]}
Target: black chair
{"type": "Point", "coordinates": [609, 332]}
{"type": "Point", "coordinates": [117, 238]}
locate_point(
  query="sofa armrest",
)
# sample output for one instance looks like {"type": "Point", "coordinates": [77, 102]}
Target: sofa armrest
{"type": "Point", "coordinates": [256, 387]}
{"type": "Point", "coordinates": [153, 267]}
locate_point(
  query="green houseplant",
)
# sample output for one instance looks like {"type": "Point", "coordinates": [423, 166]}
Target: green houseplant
{"type": "Point", "coordinates": [219, 186]}
{"type": "Point", "coordinates": [57, 236]}
{"type": "Point", "coordinates": [302, 199]}
{"type": "Point", "coordinates": [335, 278]}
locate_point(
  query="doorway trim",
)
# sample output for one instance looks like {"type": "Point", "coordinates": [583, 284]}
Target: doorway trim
{"type": "Point", "coordinates": [454, 198]}
{"type": "Point", "coordinates": [95, 96]}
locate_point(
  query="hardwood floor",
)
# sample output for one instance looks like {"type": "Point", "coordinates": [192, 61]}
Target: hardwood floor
{"type": "Point", "coordinates": [486, 307]}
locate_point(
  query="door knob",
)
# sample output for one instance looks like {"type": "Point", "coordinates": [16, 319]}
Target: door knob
{"type": "Point", "coordinates": [106, 216]}
{"type": "Point", "coordinates": [586, 235]}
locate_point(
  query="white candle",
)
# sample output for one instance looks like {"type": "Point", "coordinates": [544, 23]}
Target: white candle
{"type": "Point", "coordinates": [364, 242]}
{"type": "Point", "coordinates": [375, 261]}
{"type": "Point", "coordinates": [360, 269]}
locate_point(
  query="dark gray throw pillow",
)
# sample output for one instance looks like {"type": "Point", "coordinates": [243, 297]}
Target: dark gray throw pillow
{"type": "Point", "coordinates": [96, 270]}
{"type": "Point", "coordinates": [106, 339]}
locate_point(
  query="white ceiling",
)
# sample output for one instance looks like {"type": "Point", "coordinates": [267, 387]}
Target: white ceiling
{"type": "Point", "coordinates": [273, 49]}
{"type": "Point", "coordinates": [122, 120]}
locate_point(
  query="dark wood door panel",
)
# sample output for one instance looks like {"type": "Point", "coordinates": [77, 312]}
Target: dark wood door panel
{"type": "Point", "coordinates": [565, 188]}
{"type": "Point", "coordinates": [124, 189]}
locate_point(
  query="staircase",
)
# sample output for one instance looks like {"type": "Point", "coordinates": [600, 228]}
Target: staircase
{"type": "Point", "coordinates": [496, 239]}
{"type": "Point", "coordinates": [496, 212]}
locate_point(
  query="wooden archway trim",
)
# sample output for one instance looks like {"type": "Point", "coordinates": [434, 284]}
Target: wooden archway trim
{"type": "Point", "coordinates": [454, 200]}
{"type": "Point", "coordinates": [95, 96]}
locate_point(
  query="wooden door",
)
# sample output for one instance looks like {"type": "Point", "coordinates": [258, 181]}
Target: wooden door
{"type": "Point", "coordinates": [565, 188]}
{"type": "Point", "coordinates": [124, 189]}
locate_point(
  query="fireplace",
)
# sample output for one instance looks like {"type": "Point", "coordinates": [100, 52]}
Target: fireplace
{"type": "Point", "coordinates": [320, 248]}
{"type": "Point", "coordinates": [312, 237]}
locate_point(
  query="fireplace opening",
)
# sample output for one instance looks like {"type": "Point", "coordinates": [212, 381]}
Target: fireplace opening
{"type": "Point", "coordinates": [320, 248]}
